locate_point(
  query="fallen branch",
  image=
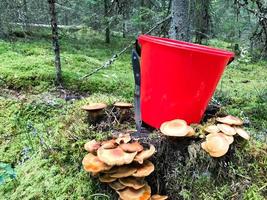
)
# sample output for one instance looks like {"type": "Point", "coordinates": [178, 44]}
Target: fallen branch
{"type": "Point", "coordinates": [115, 56]}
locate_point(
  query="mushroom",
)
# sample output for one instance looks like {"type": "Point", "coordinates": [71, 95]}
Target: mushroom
{"type": "Point", "coordinates": [216, 145]}
{"type": "Point", "coordinates": [106, 178]}
{"type": "Point", "coordinates": [116, 185]}
{"type": "Point", "coordinates": [92, 163]}
{"type": "Point", "coordinates": [145, 154]}
{"type": "Point", "coordinates": [94, 111]}
{"type": "Point", "coordinates": [158, 197]}
{"type": "Point", "coordinates": [229, 138]}
{"type": "Point", "coordinates": [128, 193]}
{"type": "Point", "coordinates": [123, 171]}
{"type": "Point", "coordinates": [144, 170]}
{"type": "Point", "coordinates": [175, 128]}
{"type": "Point", "coordinates": [109, 144]}
{"type": "Point", "coordinates": [132, 147]}
{"type": "Point", "coordinates": [191, 132]}
{"type": "Point", "coordinates": [212, 129]}
{"type": "Point", "coordinates": [133, 182]}
{"type": "Point", "coordinates": [92, 146]}
{"type": "Point", "coordinates": [241, 132]}
{"type": "Point", "coordinates": [123, 138]}
{"type": "Point", "coordinates": [229, 119]}
{"type": "Point", "coordinates": [226, 129]}
{"type": "Point", "coordinates": [115, 156]}
{"type": "Point", "coordinates": [123, 109]}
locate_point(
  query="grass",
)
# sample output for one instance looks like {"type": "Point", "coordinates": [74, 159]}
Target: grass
{"type": "Point", "coordinates": [42, 135]}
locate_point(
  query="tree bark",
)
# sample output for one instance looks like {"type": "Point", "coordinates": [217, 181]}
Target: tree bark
{"type": "Point", "coordinates": [107, 30]}
{"type": "Point", "coordinates": [55, 41]}
{"type": "Point", "coordinates": [180, 23]}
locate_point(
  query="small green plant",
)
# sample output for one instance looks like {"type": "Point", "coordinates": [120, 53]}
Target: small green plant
{"type": "Point", "coordinates": [6, 173]}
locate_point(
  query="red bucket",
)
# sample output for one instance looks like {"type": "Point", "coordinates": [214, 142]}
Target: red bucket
{"type": "Point", "coordinates": [178, 79]}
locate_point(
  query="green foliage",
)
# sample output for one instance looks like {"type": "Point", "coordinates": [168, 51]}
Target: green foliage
{"type": "Point", "coordinates": [6, 173]}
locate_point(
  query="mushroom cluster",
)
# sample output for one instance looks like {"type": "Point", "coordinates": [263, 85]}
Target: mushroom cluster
{"type": "Point", "coordinates": [177, 128]}
{"type": "Point", "coordinates": [221, 135]}
{"type": "Point", "coordinates": [123, 164]}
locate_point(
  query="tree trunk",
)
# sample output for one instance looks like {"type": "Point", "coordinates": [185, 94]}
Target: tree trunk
{"type": "Point", "coordinates": [26, 18]}
{"type": "Point", "coordinates": [55, 41]}
{"type": "Point", "coordinates": [142, 5]}
{"type": "Point", "coordinates": [202, 20]}
{"type": "Point", "coordinates": [107, 30]}
{"type": "Point", "coordinates": [180, 23]}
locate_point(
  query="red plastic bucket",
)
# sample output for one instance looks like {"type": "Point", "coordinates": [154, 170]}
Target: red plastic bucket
{"type": "Point", "coordinates": [178, 79]}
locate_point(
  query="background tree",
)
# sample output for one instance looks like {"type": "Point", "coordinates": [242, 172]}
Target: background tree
{"type": "Point", "coordinates": [55, 41]}
{"type": "Point", "coordinates": [180, 23]}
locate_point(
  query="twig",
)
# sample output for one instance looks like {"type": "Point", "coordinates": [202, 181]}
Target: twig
{"type": "Point", "coordinates": [115, 56]}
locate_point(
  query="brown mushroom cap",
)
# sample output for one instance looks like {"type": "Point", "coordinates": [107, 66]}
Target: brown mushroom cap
{"type": "Point", "coordinates": [133, 182]}
{"type": "Point", "coordinates": [92, 146]}
{"type": "Point", "coordinates": [116, 185]}
{"type": "Point", "coordinates": [231, 120]}
{"type": "Point", "coordinates": [226, 129]}
{"type": "Point", "coordinates": [175, 128]}
{"type": "Point", "coordinates": [229, 138]}
{"type": "Point", "coordinates": [191, 132]}
{"type": "Point", "coordinates": [145, 169]}
{"type": "Point", "coordinates": [123, 171]}
{"type": "Point", "coordinates": [132, 147]}
{"type": "Point", "coordinates": [158, 197]}
{"type": "Point", "coordinates": [241, 132]}
{"type": "Point", "coordinates": [123, 105]}
{"type": "Point", "coordinates": [109, 144]}
{"type": "Point", "coordinates": [123, 138]}
{"type": "Point", "coordinates": [216, 145]}
{"type": "Point", "coordinates": [143, 193]}
{"type": "Point", "coordinates": [106, 178]}
{"type": "Point", "coordinates": [94, 106]}
{"type": "Point", "coordinates": [212, 129]}
{"type": "Point", "coordinates": [145, 154]}
{"type": "Point", "coordinates": [92, 163]}
{"type": "Point", "coordinates": [115, 156]}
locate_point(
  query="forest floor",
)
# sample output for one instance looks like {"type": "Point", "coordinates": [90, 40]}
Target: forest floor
{"type": "Point", "coordinates": [43, 129]}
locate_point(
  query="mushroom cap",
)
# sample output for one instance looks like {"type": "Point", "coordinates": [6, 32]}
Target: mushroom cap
{"type": "Point", "coordinates": [191, 132]}
{"type": "Point", "coordinates": [109, 144]}
{"type": "Point", "coordinates": [229, 138]}
{"type": "Point", "coordinates": [241, 132]}
{"type": "Point", "coordinates": [204, 146]}
{"type": "Point", "coordinates": [92, 146]}
{"type": "Point", "coordinates": [229, 119]}
{"type": "Point", "coordinates": [216, 145]}
{"type": "Point", "coordinates": [143, 193]}
{"type": "Point", "coordinates": [212, 129]}
{"type": "Point", "coordinates": [133, 182]}
{"type": "Point", "coordinates": [145, 154]}
{"type": "Point", "coordinates": [226, 129]}
{"type": "Point", "coordinates": [115, 156]}
{"type": "Point", "coordinates": [123, 105]}
{"type": "Point", "coordinates": [132, 147]}
{"type": "Point", "coordinates": [106, 178]}
{"type": "Point", "coordinates": [92, 163]}
{"type": "Point", "coordinates": [158, 197]}
{"type": "Point", "coordinates": [175, 128]}
{"type": "Point", "coordinates": [123, 171]}
{"type": "Point", "coordinates": [123, 138]}
{"type": "Point", "coordinates": [145, 169]}
{"type": "Point", "coordinates": [116, 185]}
{"type": "Point", "coordinates": [94, 106]}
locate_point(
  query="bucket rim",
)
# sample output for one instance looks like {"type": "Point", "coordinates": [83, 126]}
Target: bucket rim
{"type": "Point", "coordinates": [184, 45]}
